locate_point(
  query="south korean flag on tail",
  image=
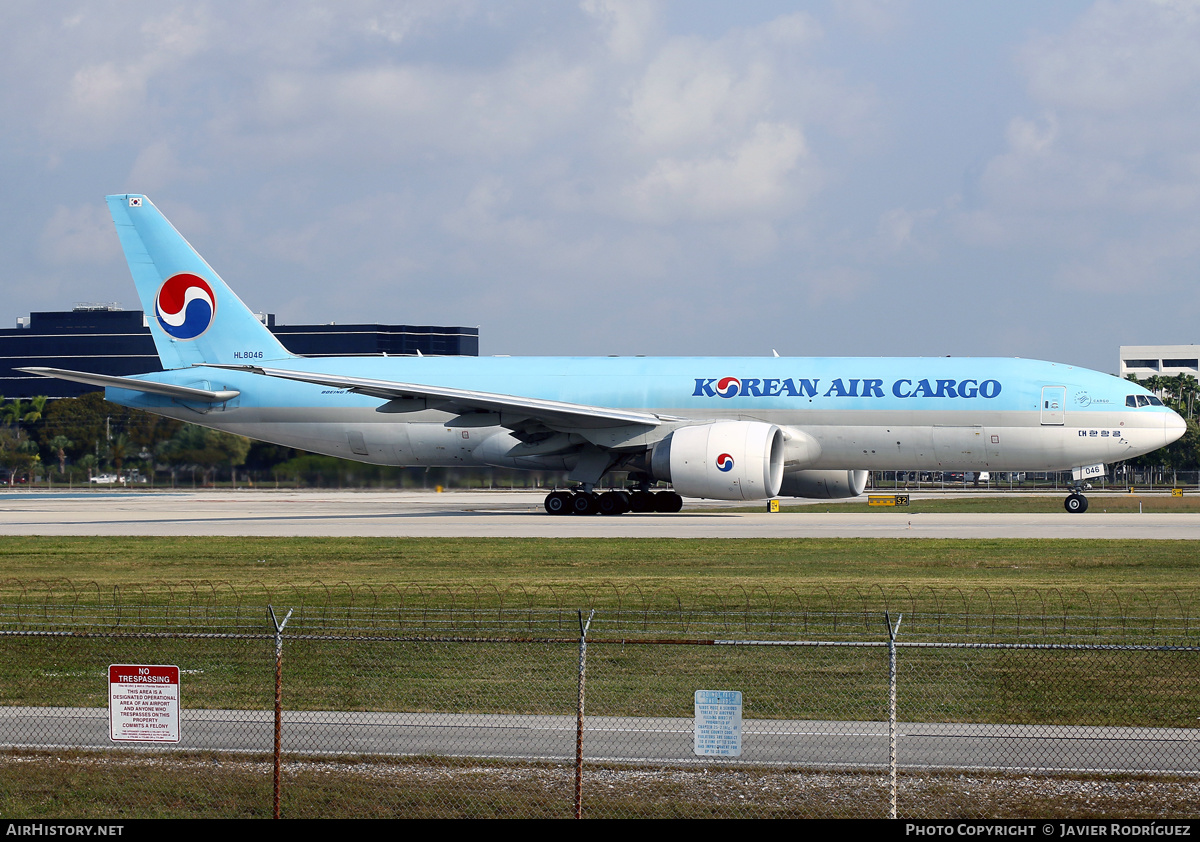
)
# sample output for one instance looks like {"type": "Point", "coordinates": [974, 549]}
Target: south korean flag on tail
{"type": "Point", "coordinates": [135, 201]}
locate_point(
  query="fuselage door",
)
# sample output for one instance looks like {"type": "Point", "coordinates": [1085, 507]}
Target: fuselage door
{"type": "Point", "coordinates": [1054, 404]}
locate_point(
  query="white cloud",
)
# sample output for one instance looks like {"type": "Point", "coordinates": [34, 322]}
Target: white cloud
{"type": "Point", "coordinates": [757, 176]}
{"type": "Point", "coordinates": [1120, 56]}
{"type": "Point", "coordinates": [875, 17]}
{"type": "Point", "coordinates": [397, 23]}
{"type": "Point", "coordinates": [834, 284]}
{"type": "Point", "coordinates": [158, 166]}
{"type": "Point", "coordinates": [108, 97]}
{"type": "Point", "coordinates": [903, 230]}
{"type": "Point", "coordinates": [691, 95]}
{"type": "Point", "coordinates": [77, 236]}
{"type": "Point", "coordinates": [1106, 175]}
{"type": "Point", "coordinates": [628, 24]}
{"type": "Point", "coordinates": [1029, 137]}
{"type": "Point", "coordinates": [527, 147]}
{"type": "Point", "coordinates": [1153, 259]}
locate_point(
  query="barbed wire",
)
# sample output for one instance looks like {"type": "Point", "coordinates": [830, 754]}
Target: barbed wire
{"type": "Point", "coordinates": [1010, 613]}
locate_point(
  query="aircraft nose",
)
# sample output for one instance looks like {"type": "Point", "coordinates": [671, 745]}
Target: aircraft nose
{"type": "Point", "coordinates": [1173, 427]}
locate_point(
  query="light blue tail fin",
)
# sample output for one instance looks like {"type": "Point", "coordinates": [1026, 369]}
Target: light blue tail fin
{"type": "Point", "coordinates": [193, 316]}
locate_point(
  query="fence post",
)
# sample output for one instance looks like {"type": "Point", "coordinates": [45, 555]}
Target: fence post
{"type": "Point", "coordinates": [583, 630]}
{"type": "Point", "coordinates": [892, 707]}
{"type": "Point", "coordinates": [278, 701]}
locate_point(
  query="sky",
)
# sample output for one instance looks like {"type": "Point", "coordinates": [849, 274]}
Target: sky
{"type": "Point", "coordinates": [849, 177]}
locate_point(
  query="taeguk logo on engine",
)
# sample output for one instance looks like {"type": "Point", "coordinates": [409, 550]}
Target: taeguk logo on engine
{"type": "Point", "coordinates": [725, 463]}
{"type": "Point", "coordinates": [185, 306]}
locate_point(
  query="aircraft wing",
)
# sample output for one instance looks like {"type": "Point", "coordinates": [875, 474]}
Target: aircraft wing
{"type": "Point", "coordinates": [558, 413]}
{"type": "Point", "coordinates": [187, 393]}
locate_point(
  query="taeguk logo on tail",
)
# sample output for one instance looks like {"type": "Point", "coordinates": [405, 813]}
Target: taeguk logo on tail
{"type": "Point", "coordinates": [725, 463]}
{"type": "Point", "coordinates": [185, 306]}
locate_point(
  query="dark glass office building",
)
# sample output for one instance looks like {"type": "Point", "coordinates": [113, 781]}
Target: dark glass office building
{"type": "Point", "coordinates": [103, 339]}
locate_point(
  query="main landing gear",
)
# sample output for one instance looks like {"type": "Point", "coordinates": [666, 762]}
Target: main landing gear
{"type": "Point", "coordinates": [1076, 503]}
{"type": "Point", "coordinates": [611, 502]}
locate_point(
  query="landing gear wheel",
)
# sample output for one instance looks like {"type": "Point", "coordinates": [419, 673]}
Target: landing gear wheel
{"type": "Point", "coordinates": [613, 503]}
{"type": "Point", "coordinates": [641, 502]}
{"type": "Point", "coordinates": [583, 503]}
{"type": "Point", "coordinates": [558, 503]}
{"type": "Point", "coordinates": [1076, 504]}
{"type": "Point", "coordinates": [667, 502]}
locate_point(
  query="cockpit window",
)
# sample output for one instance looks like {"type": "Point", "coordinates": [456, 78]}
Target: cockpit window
{"type": "Point", "coordinates": [1155, 401]}
{"type": "Point", "coordinates": [1142, 400]}
{"type": "Point", "coordinates": [1131, 400]}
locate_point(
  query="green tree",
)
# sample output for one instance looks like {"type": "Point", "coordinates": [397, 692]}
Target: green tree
{"type": "Point", "coordinates": [87, 462]}
{"type": "Point", "coordinates": [80, 420]}
{"type": "Point", "coordinates": [12, 413]}
{"type": "Point", "coordinates": [1188, 388]}
{"type": "Point", "coordinates": [58, 446]}
{"type": "Point", "coordinates": [37, 405]}
{"type": "Point", "coordinates": [118, 451]}
{"type": "Point", "coordinates": [91, 423]}
{"type": "Point", "coordinates": [205, 449]}
{"type": "Point", "coordinates": [17, 453]}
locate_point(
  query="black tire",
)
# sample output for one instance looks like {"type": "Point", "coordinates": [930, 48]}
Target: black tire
{"type": "Point", "coordinates": [667, 502]}
{"type": "Point", "coordinates": [641, 502]}
{"type": "Point", "coordinates": [558, 503]}
{"type": "Point", "coordinates": [583, 503]}
{"type": "Point", "coordinates": [612, 503]}
{"type": "Point", "coordinates": [1076, 504]}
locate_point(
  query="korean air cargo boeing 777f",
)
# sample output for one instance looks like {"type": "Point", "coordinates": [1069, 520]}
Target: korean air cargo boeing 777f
{"type": "Point", "coordinates": [729, 428]}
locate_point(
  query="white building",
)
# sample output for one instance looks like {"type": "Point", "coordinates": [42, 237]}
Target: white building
{"type": "Point", "coordinates": [1163, 360]}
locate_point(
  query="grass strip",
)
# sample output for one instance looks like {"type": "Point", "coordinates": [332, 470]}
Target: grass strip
{"type": "Point", "coordinates": [121, 786]}
{"type": "Point", "coordinates": [217, 570]}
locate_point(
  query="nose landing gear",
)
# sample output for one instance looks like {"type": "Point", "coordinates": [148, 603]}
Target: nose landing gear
{"type": "Point", "coordinates": [1076, 503]}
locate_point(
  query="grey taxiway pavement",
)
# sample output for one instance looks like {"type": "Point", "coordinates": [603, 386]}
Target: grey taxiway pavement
{"type": "Point", "coordinates": [520, 515]}
{"type": "Point", "coordinates": [642, 740]}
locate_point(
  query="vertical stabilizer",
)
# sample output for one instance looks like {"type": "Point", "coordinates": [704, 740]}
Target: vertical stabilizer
{"type": "Point", "coordinates": [193, 316]}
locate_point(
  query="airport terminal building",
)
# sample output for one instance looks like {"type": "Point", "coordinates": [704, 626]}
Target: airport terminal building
{"type": "Point", "coordinates": [104, 339]}
{"type": "Point", "coordinates": [1160, 360]}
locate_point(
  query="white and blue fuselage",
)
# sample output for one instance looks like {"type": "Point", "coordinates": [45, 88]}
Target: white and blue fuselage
{"type": "Point", "coordinates": [865, 413]}
{"type": "Point", "coordinates": [722, 427]}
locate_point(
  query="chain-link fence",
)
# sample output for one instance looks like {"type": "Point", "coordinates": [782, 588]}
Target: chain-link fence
{"type": "Point", "coordinates": [471, 712]}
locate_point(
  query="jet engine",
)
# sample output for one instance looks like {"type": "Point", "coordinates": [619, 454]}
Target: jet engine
{"type": "Point", "coordinates": [724, 460]}
{"type": "Point", "coordinates": [826, 485]}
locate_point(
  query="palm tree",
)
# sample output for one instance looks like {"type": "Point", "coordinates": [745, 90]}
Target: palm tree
{"type": "Point", "coordinates": [1188, 387]}
{"type": "Point", "coordinates": [38, 406]}
{"type": "Point", "coordinates": [1154, 383]}
{"type": "Point", "coordinates": [59, 445]}
{"type": "Point", "coordinates": [12, 413]}
{"type": "Point", "coordinates": [119, 450]}
{"type": "Point", "coordinates": [88, 463]}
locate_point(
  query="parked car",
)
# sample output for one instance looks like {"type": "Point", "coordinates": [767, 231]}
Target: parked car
{"type": "Point", "coordinates": [105, 479]}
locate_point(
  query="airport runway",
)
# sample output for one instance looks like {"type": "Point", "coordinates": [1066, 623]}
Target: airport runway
{"type": "Point", "coordinates": [1024, 748]}
{"type": "Point", "coordinates": [504, 514]}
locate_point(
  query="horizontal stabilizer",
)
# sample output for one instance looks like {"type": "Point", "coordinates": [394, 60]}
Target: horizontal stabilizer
{"type": "Point", "coordinates": [188, 393]}
{"type": "Point", "coordinates": [557, 412]}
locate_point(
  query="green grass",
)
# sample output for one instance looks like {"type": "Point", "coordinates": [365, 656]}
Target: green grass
{"type": "Point", "coordinates": [224, 570]}
{"type": "Point", "coordinates": [121, 786]}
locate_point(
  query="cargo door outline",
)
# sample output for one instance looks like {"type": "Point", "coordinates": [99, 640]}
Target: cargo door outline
{"type": "Point", "coordinates": [1054, 405]}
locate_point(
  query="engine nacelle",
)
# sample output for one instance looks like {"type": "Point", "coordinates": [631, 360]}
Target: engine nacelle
{"type": "Point", "coordinates": [725, 460]}
{"type": "Point", "coordinates": [825, 485]}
